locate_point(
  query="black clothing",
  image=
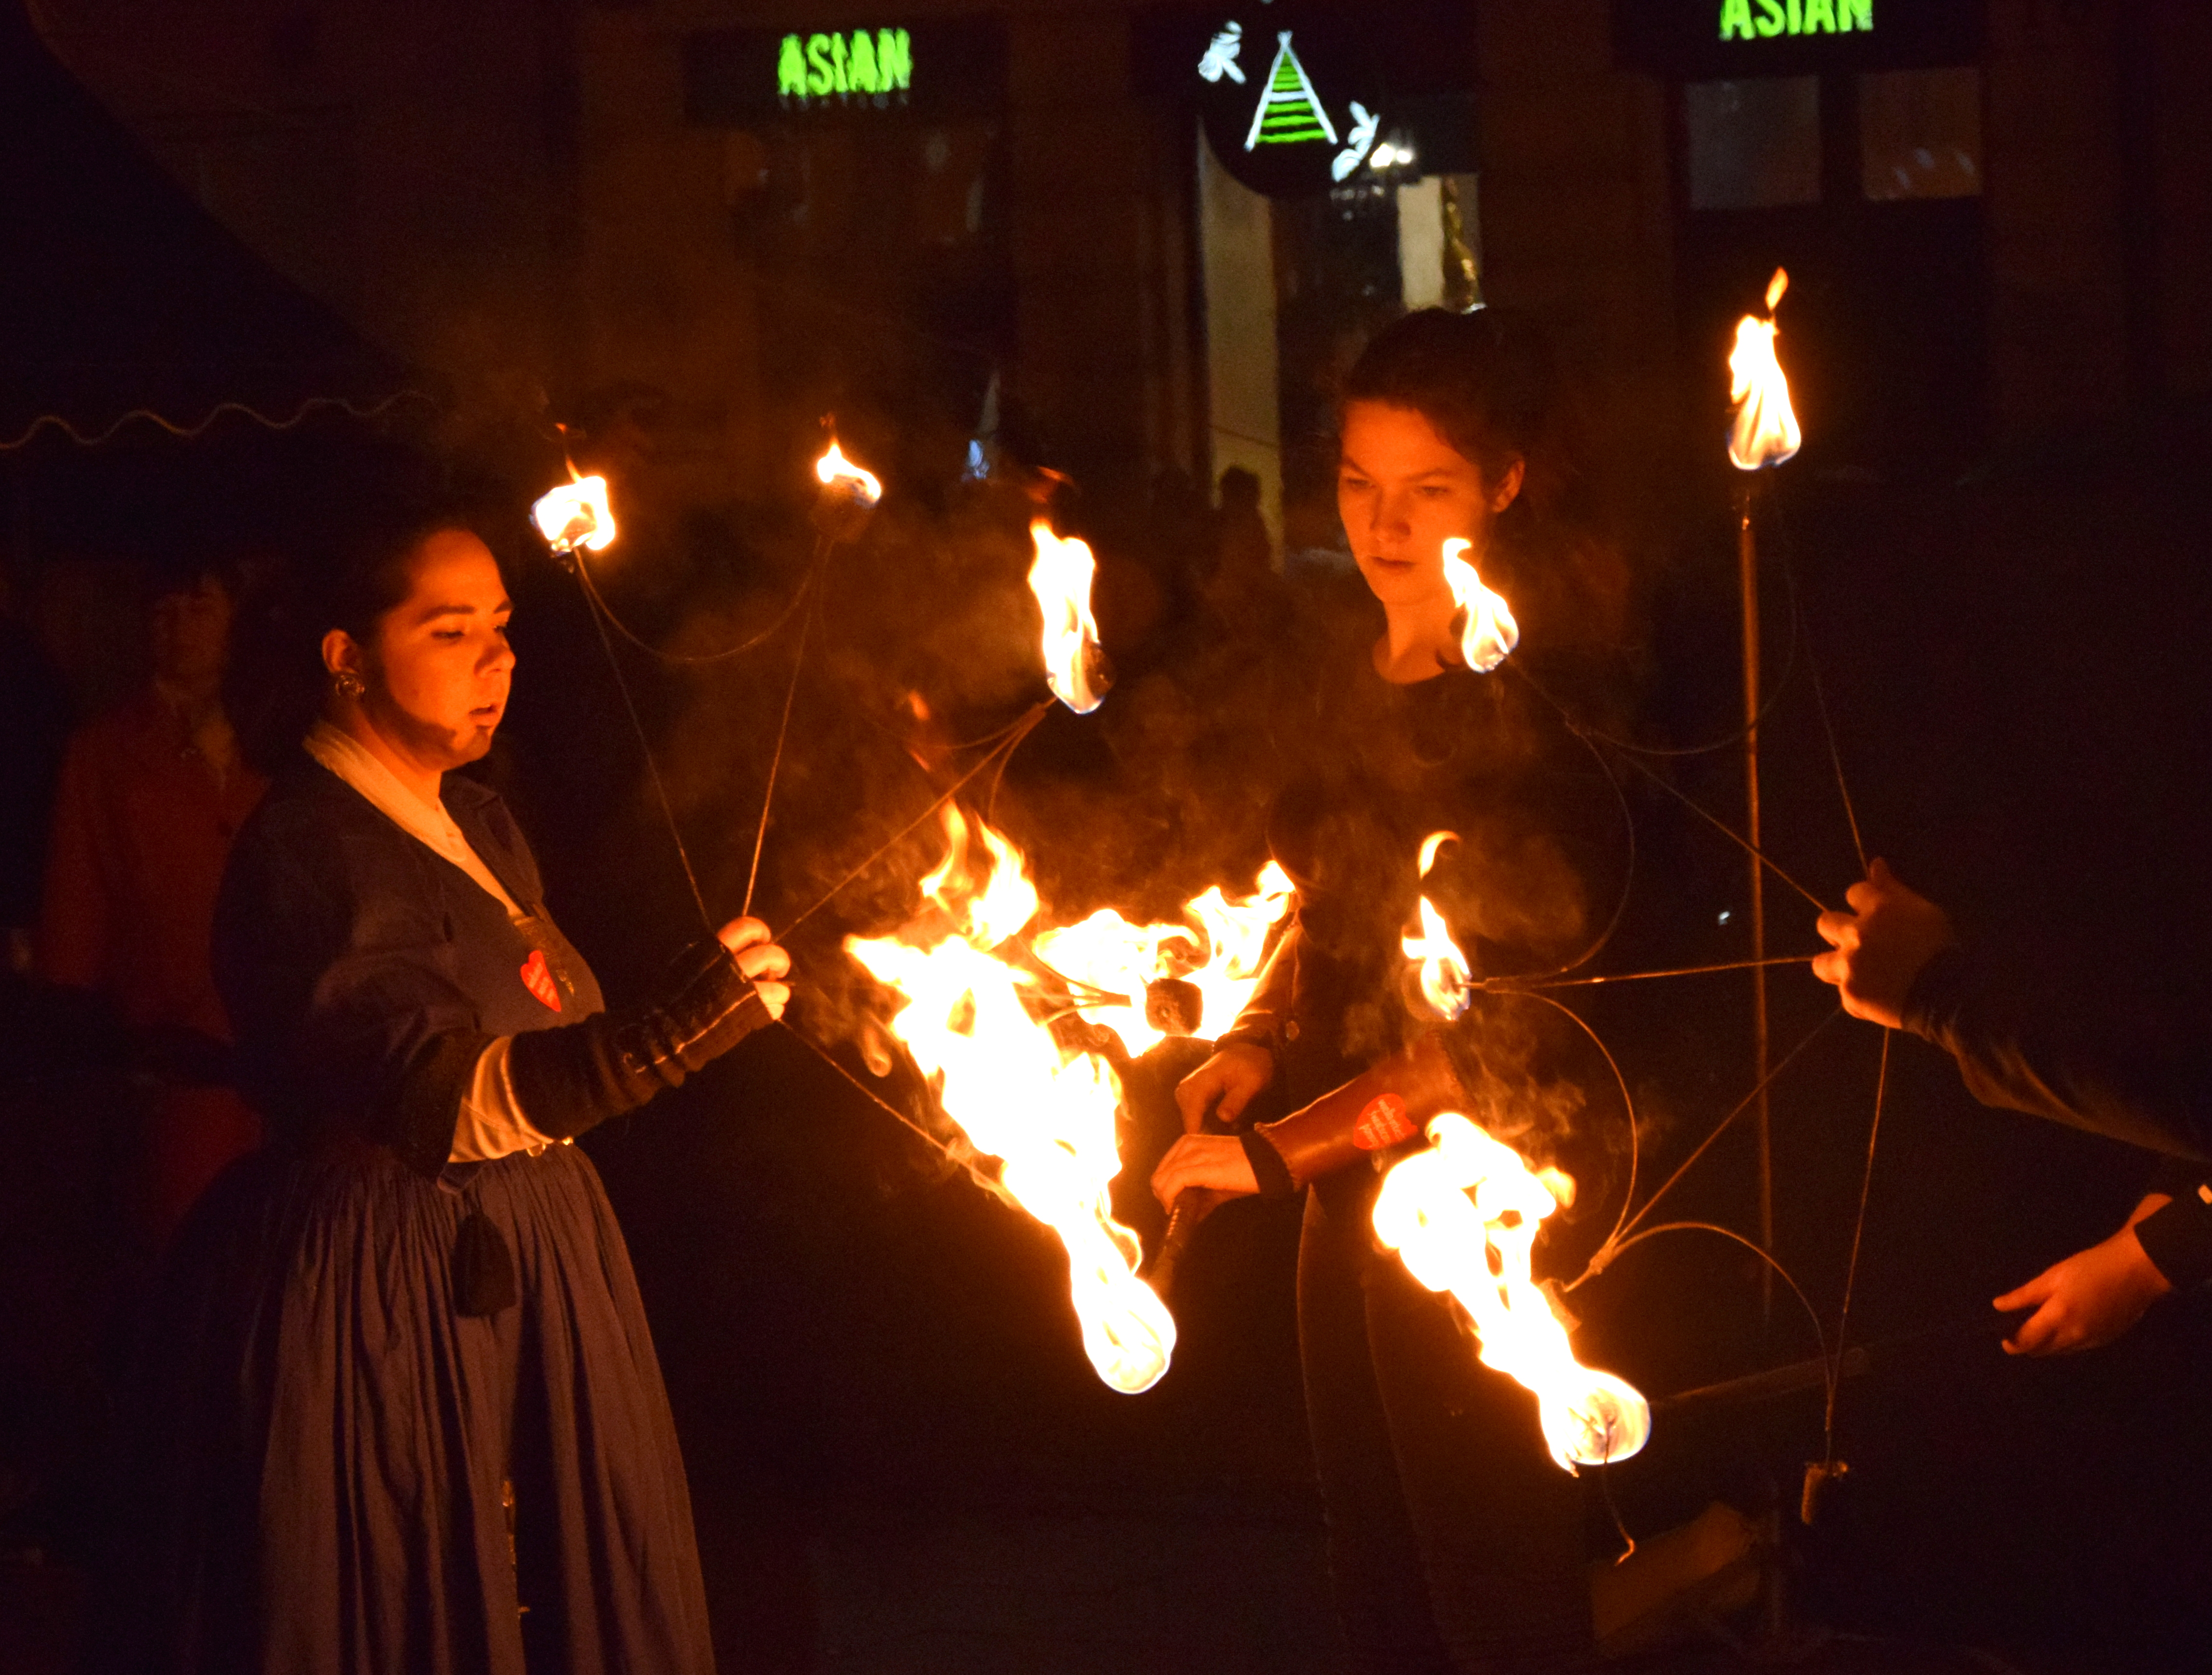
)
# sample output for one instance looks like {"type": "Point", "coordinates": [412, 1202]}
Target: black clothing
{"type": "Point", "coordinates": [568, 1081]}
{"type": "Point", "coordinates": [366, 1350]}
{"type": "Point", "coordinates": [1455, 1542]}
{"type": "Point", "coordinates": [2017, 1049]}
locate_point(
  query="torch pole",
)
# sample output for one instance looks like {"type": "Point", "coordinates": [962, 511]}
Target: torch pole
{"type": "Point", "coordinates": [1747, 550]}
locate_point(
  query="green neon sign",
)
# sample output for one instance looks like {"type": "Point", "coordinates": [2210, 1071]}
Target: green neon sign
{"type": "Point", "coordinates": [811, 68]}
{"type": "Point", "coordinates": [1754, 20]}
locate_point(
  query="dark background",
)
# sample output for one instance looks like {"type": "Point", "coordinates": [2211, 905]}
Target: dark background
{"type": "Point", "coordinates": [899, 1457]}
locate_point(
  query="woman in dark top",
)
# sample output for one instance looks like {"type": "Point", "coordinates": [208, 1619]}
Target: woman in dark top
{"type": "Point", "coordinates": [1455, 1542]}
{"type": "Point", "coordinates": [409, 1414]}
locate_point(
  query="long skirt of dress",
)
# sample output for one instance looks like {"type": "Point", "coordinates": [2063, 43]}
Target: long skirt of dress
{"type": "Point", "coordinates": [337, 1473]}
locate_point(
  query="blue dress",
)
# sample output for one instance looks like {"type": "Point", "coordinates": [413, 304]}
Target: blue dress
{"type": "Point", "coordinates": [406, 1415]}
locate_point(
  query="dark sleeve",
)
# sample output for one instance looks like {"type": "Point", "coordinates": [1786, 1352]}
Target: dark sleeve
{"type": "Point", "coordinates": [2178, 1236]}
{"type": "Point", "coordinates": [2033, 1051]}
{"type": "Point", "coordinates": [332, 956]}
{"type": "Point", "coordinates": [1267, 1012]}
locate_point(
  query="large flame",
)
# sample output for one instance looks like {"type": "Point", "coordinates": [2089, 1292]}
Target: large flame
{"type": "Point", "coordinates": [1765, 431]}
{"type": "Point", "coordinates": [1060, 579]}
{"type": "Point", "coordinates": [1487, 631]}
{"type": "Point", "coordinates": [577, 514]}
{"type": "Point", "coordinates": [1113, 963]}
{"type": "Point", "coordinates": [838, 472]}
{"type": "Point", "coordinates": [1463, 1216]}
{"type": "Point", "coordinates": [1045, 1111]}
{"type": "Point", "coordinates": [1447, 983]}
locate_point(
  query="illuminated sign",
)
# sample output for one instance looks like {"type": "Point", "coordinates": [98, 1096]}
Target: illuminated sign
{"type": "Point", "coordinates": [872, 65]}
{"type": "Point", "coordinates": [1696, 40]}
{"type": "Point", "coordinates": [1302, 97]}
{"type": "Point", "coordinates": [1755, 19]}
{"type": "Point", "coordinates": [752, 77]}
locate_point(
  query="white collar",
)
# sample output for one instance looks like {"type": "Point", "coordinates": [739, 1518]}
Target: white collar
{"type": "Point", "coordinates": [427, 822]}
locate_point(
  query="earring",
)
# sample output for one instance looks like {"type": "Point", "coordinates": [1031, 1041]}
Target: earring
{"type": "Point", "coordinates": [347, 685]}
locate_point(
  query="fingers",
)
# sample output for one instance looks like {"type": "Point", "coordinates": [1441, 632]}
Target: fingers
{"type": "Point", "coordinates": [2036, 1291]}
{"type": "Point", "coordinates": [764, 959]}
{"type": "Point", "coordinates": [2046, 1331]}
{"type": "Point", "coordinates": [742, 933]}
{"type": "Point", "coordinates": [773, 996]}
{"type": "Point", "coordinates": [1880, 874]}
{"type": "Point", "coordinates": [1196, 1095]}
{"type": "Point", "coordinates": [1232, 1103]}
{"type": "Point", "coordinates": [1174, 1173]}
{"type": "Point", "coordinates": [1838, 930]}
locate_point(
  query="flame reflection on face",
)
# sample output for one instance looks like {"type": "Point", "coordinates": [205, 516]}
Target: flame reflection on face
{"type": "Point", "coordinates": [1046, 1112]}
{"type": "Point", "coordinates": [1464, 1215]}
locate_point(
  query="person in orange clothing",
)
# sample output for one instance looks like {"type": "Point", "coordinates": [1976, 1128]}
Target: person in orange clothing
{"type": "Point", "coordinates": [151, 794]}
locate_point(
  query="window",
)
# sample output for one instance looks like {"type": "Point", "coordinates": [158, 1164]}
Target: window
{"type": "Point", "coordinates": [1753, 145]}
{"type": "Point", "coordinates": [1920, 133]}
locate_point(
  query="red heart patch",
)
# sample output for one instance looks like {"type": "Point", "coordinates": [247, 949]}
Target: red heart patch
{"type": "Point", "coordinates": [538, 978]}
{"type": "Point", "coordinates": [1382, 1124]}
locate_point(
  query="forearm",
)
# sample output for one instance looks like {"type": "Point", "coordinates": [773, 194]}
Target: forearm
{"type": "Point", "coordinates": [2020, 1056]}
{"type": "Point", "coordinates": [1390, 1103]}
{"type": "Point", "coordinates": [1267, 1014]}
{"type": "Point", "coordinates": [569, 1080]}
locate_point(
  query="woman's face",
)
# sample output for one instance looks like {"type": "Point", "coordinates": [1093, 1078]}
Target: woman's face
{"type": "Point", "coordinates": [438, 670]}
{"type": "Point", "coordinates": [1403, 491]}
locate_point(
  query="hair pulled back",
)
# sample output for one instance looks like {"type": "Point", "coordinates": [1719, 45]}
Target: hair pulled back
{"type": "Point", "coordinates": [351, 564]}
{"type": "Point", "coordinates": [1489, 384]}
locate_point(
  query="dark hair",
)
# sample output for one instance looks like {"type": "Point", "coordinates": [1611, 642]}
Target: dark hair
{"type": "Point", "coordinates": [1487, 382]}
{"type": "Point", "coordinates": [364, 571]}
{"type": "Point", "coordinates": [348, 574]}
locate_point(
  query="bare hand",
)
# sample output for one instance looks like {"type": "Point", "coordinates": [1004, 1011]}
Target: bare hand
{"type": "Point", "coordinates": [1881, 945]}
{"type": "Point", "coordinates": [1222, 1086]}
{"type": "Point", "coordinates": [760, 960]}
{"type": "Point", "coordinates": [2091, 1297]}
{"type": "Point", "coordinates": [1213, 1161]}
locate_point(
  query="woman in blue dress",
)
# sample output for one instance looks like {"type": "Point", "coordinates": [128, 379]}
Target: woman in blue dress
{"type": "Point", "coordinates": [408, 1412]}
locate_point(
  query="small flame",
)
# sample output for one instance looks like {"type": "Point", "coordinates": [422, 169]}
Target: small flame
{"type": "Point", "coordinates": [1487, 631]}
{"type": "Point", "coordinates": [1463, 1216]}
{"type": "Point", "coordinates": [1045, 1113]}
{"type": "Point", "coordinates": [1447, 983]}
{"type": "Point", "coordinates": [1222, 958]}
{"type": "Point", "coordinates": [838, 472]}
{"type": "Point", "coordinates": [1765, 431]}
{"type": "Point", "coordinates": [577, 514]}
{"type": "Point", "coordinates": [1060, 577]}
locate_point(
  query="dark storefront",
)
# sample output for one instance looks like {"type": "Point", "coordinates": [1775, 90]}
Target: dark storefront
{"type": "Point", "coordinates": [1844, 143]}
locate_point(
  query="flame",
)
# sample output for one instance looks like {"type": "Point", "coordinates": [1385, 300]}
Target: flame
{"type": "Point", "coordinates": [1060, 579]}
{"type": "Point", "coordinates": [1463, 1216]}
{"type": "Point", "coordinates": [1447, 983]}
{"type": "Point", "coordinates": [1488, 631]}
{"type": "Point", "coordinates": [1765, 431]}
{"type": "Point", "coordinates": [1222, 958]}
{"type": "Point", "coordinates": [838, 472]}
{"type": "Point", "coordinates": [577, 514]}
{"type": "Point", "coordinates": [1045, 1113]}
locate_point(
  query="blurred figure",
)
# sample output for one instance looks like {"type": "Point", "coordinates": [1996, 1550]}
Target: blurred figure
{"type": "Point", "coordinates": [151, 795]}
{"type": "Point", "coordinates": [1897, 961]}
{"type": "Point", "coordinates": [1242, 585]}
